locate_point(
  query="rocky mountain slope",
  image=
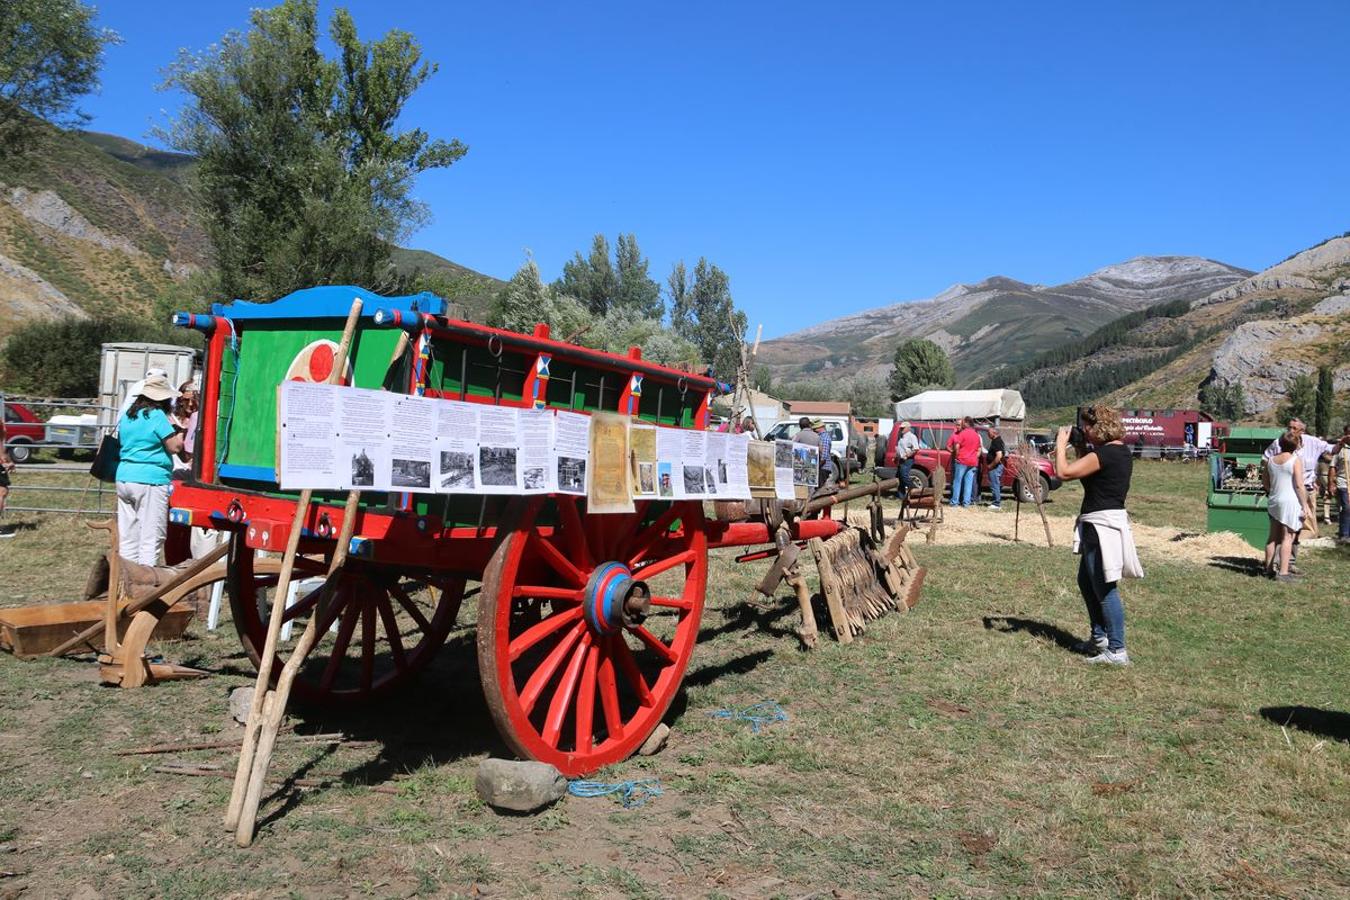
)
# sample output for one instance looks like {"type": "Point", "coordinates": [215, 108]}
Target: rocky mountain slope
{"type": "Point", "coordinates": [93, 223]}
{"type": "Point", "coordinates": [1261, 333]}
{"type": "Point", "coordinates": [998, 321]}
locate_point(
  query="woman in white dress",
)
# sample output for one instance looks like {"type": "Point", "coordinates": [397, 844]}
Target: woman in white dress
{"type": "Point", "coordinates": [1287, 504]}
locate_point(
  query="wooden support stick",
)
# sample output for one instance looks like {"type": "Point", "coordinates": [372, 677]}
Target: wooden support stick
{"type": "Point", "coordinates": [250, 743]}
{"type": "Point", "coordinates": [274, 707]}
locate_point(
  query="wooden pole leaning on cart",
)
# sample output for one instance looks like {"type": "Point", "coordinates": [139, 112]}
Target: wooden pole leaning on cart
{"type": "Point", "coordinates": [260, 691]}
{"type": "Point", "coordinates": [274, 704]}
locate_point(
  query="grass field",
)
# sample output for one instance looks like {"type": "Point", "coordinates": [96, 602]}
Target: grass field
{"type": "Point", "coordinates": [958, 750]}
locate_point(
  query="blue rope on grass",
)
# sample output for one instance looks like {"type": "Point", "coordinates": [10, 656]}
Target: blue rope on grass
{"type": "Point", "coordinates": [758, 715]}
{"type": "Point", "coordinates": [632, 793]}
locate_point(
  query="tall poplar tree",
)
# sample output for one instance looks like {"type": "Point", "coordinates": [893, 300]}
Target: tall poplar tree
{"type": "Point", "coordinates": [303, 176]}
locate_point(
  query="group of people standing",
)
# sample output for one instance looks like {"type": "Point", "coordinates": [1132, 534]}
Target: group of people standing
{"type": "Point", "coordinates": [967, 449]}
{"type": "Point", "coordinates": [1290, 479]}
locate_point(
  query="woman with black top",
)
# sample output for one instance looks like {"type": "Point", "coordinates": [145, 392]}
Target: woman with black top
{"type": "Point", "coordinates": [1102, 532]}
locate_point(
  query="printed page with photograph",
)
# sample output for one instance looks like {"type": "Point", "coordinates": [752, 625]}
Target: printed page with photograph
{"type": "Point", "coordinates": [571, 452]}
{"type": "Point", "coordinates": [669, 473]}
{"type": "Point", "coordinates": [609, 491]}
{"type": "Point", "coordinates": [308, 416]}
{"type": "Point", "coordinates": [782, 471]}
{"type": "Point", "coordinates": [456, 446]}
{"type": "Point", "coordinates": [715, 464]}
{"type": "Point", "coordinates": [693, 461]}
{"type": "Point", "coordinates": [805, 465]}
{"type": "Point", "coordinates": [499, 450]}
{"type": "Point", "coordinates": [642, 450]}
{"type": "Point", "coordinates": [412, 443]}
{"type": "Point", "coordinates": [536, 446]}
{"type": "Point", "coordinates": [364, 418]}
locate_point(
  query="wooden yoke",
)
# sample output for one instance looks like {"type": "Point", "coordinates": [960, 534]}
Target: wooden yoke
{"type": "Point", "coordinates": [251, 729]}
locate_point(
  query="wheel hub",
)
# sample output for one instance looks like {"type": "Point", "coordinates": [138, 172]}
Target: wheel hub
{"type": "Point", "coordinates": [613, 598]}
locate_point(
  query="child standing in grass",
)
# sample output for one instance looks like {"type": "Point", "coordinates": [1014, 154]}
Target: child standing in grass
{"type": "Point", "coordinates": [1102, 531]}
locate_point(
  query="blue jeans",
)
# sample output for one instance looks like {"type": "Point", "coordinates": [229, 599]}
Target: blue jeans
{"type": "Point", "coordinates": [1343, 497]}
{"type": "Point", "coordinates": [996, 483]}
{"type": "Point", "coordinates": [1106, 610]}
{"type": "Point", "coordinates": [905, 466]}
{"type": "Point", "coordinates": [963, 484]}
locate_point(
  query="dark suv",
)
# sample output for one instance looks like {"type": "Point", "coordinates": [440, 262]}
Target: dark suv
{"type": "Point", "coordinates": [933, 436]}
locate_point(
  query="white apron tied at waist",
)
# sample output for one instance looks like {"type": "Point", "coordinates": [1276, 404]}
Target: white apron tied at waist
{"type": "Point", "coordinates": [1119, 556]}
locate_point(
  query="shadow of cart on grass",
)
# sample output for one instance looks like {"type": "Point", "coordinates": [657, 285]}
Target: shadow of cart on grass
{"type": "Point", "coordinates": [1042, 630]}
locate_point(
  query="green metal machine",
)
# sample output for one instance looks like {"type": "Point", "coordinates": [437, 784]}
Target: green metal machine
{"type": "Point", "coordinates": [1237, 499]}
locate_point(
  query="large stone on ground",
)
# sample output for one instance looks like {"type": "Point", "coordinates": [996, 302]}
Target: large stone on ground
{"type": "Point", "coordinates": [241, 698]}
{"type": "Point", "coordinates": [656, 741]}
{"type": "Point", "coordinates": [518, 786]}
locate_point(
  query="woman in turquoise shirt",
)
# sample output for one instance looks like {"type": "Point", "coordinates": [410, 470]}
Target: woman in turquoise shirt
{"type": "Point", "coordinates": [149, 442]}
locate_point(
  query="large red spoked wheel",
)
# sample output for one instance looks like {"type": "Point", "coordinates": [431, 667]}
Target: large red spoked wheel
{"type": "Point", "coordinates": [379, 629]}
{"type": "Point", "coordinates": [586, 624]}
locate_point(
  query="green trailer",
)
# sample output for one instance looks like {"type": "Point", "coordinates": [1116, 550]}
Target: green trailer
{"type": "Point", "coordinates": [1237, 498]}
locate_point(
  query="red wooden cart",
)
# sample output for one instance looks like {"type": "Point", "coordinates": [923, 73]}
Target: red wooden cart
{"type": "Point", "coordinates": [585, 623]}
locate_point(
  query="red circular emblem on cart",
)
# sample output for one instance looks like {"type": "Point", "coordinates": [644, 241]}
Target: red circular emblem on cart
{"type": "Point", "coordinates": [315, 363]}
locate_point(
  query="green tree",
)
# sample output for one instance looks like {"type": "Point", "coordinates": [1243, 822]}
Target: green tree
{"type": "Point", "coordinates": [681, 302]}
{"type": "Point", "coordinates": [1326, 399]}
{"type": "Point", "coordinates": [302, 176]}
{"type": "Point", "coordinates": [590, 279]}
{"type": "Point", "coordinates": [526, 301]}
{"type": "Point", "coordinates": [1223, 401]}
{"type": "Point", "coordinates": [1300, 399]}
{"type": "Point", "coordinates": [709, 319]}
{"type": "Point", "coordinates": [50, 54]}
{"type": "Point", "coordinates": [634, 288]}
{"type": "Point", "coordinates": [919, 365]}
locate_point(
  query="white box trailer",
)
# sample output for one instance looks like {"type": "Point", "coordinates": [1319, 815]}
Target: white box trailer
{"type": "Point", "coordinates": [125, 364]}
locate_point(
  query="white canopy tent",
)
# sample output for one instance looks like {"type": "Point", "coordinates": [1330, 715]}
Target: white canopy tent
{"type": "Point", "coordinates": [998, 406]}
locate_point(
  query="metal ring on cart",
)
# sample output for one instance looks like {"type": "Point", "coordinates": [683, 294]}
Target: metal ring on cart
{"type": "Point", "coordinates": [496, 354]}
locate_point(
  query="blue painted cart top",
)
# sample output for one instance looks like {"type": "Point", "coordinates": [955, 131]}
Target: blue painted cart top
{"type": "Point", "coordinates": [332, 301]}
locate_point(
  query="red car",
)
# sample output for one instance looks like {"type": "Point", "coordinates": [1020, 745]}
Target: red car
{"type": "Point", "coordinates": [22, 428]}
{"type": "Point", "coordinates": [933, 436]}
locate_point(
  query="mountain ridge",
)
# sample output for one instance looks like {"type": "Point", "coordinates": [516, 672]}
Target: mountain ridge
{"type": "Point", "coordinates": [996, 320]}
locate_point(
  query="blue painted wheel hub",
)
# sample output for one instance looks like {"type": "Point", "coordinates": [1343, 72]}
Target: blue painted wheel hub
{"type": "Point", "coordinates": [613, 598]}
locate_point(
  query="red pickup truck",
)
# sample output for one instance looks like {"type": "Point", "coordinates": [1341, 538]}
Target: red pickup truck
{"type": "Point", "coordinates": [933, 436]}
{"type": "Point", "coordinates": [22, 427]}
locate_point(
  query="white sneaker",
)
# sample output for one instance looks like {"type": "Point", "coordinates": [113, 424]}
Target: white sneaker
{"type": "Point", "coordinates": [1092, 646]}
{"type": "Point", "coordinates": [1111, 658]}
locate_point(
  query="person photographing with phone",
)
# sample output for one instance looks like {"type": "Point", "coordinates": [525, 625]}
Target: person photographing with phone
{"type": "Point", "coordinates": [1102, 535]}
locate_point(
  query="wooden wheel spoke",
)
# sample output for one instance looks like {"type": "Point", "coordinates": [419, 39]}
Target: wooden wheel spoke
{"type": "Point", "coordinates": [350, 615]}
{"type": "Point", "coordinates": [557, 561]}
{"type": "Point", "coordinates": [636, 549]}
{"type": "Point", "coordinates": [367, 645]}
{"type": "Point", "coordinates": [544, 592]}
{"type": "Point", "coordinates": [574, 533]}
{"type": "Point", "coordinates": [337, 602]}
{"type": "Point", "coordinates": [655, 643]}
{"type": "Point", "coordinates": [585, 718]}
{"type": "Point", "coordinates": [410, 607]}
{"type": "Point", "coordinates": [562, 697]}
{"type": "Point", "coordinates": [653, 569]}
{"type": "Point", "coordinates": [673, 602]}
{"type": "Point", "coordinates": [630, 670]}
{"type": "Point", "coordinates": [392, 632]}
{"type": "Point", "coordinates": [549, 667]}
{"type": "Point", "coordinates": [609, 698]}
{"type": "Point", "coordinates": [537, 632]}
{"type": "Point", "coordinates": [302, 606]}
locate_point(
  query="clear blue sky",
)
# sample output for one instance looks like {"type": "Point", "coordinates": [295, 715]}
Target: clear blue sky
{"type": "Point", "coordinates": [833, 158]}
